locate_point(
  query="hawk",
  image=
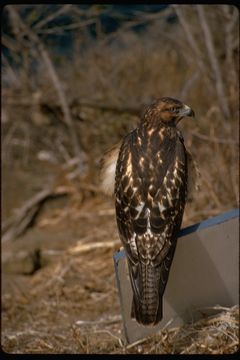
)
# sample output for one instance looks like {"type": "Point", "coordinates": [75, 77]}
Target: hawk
{"type": "Point", "coordinates": [148, 171]}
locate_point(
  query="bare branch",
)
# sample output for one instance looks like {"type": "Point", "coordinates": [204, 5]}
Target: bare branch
{"type": "Point", "coordinates": [9, 43]}
{"type": "Point", "coordinates": [75, 104]}
{"type": "Point", "coordinates": [11, 72]}
{"type": "Point", "coordinates": [214, 139]}
{"type": "Point", "coordinates": [229, 40]}
{"type": "Point", "coordinates": [190, 38]}
{"type": "Point", "coordinates": [18, 223]}
{"type": "Point", "coordinates": [188, 85]}
{"type": "Point", "coordinates": [25, 214]}
{"type": "Point", "coordinates": [213, 60]}
{"type": "Point", "coordinates": [80, 248]}
{"type": "Point", "coordinates": [63, 28]}
{"type": "Point", "coordinates": [16, 19]}
{"type": "Point", "coordinates": [106, 107]}
{"type": "Point", "coordinates": [62, 10]}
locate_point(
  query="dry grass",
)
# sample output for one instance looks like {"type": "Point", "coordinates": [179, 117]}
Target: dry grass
{"type": "Point", "coordinates": [71, 304]}
{"type": "Point", "coordinates": [71, 312]}
{"type": "Point", "coordinates": [71, 308]}
{"type": "Point", "coordinates": [216, 334]}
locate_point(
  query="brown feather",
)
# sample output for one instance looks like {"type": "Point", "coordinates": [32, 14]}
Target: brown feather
{"type": "Point", "coordinates": [151, 191]}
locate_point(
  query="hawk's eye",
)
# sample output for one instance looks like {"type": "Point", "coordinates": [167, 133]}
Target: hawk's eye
{"type": "Point", "coordinates": [173, 109]}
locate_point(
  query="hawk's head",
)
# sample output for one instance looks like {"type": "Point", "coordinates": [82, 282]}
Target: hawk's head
{"type": "Point", "coordinates": [167, 111]}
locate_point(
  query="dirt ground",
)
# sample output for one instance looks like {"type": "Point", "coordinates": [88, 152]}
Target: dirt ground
{"type": "Point", "coordinates": [59, 293]}
{"type": "Point", "coordinates": [76, 282]}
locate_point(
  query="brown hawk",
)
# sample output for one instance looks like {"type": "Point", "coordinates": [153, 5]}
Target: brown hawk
{"type": "Point", "coordinates": [150, 172]}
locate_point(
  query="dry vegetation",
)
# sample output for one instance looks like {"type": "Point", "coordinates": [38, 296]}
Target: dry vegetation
{"type": "Point", "coordinates": [59, 114]}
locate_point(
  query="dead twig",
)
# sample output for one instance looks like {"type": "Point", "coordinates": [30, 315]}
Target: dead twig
{"type": "Point", "coordinates": [190, 38]}
{"type": "Point", "coordinates": [113, 320]}
{"type": "Point", "coordinates": [229, 40]}
{"type": "Point", "coordinates": [188, 85]}
{"type": "Point", "coordinates": [111, 334]}
{"type": "Point", "coordinates": [213, 60]}
{"type": "Point", "coordinates": [137, 343]}
{"type": "Point", "coordinates": [16, 19]}
{"type": "Point", "coordinates": [214, 139]}
{"type": "Point", "coordinates": [51, 17]}
{"type": "Point", "coordinates": [81, 248]}
{"type": "Point", "coordinates": [105, 107]}
{"type": "Point", "coordinates": [77, 105]}
{"type": "Point", "coordinates": [209, 184]}
{"type": "Point", "coordinates": [17, 224]}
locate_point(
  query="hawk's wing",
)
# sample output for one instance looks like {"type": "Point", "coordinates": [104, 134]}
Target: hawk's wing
{"type": "Point", "coordinates": [150, 189]}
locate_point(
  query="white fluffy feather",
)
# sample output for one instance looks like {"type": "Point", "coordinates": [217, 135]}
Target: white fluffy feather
{"type": "Point", "coordinates": [108, 169]}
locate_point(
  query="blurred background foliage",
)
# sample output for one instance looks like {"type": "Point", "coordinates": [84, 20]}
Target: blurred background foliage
{"type": "Point", "coordinates": [76, 77]}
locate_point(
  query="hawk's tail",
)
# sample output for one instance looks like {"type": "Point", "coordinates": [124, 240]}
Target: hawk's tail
{"type": "Point", "coordinates": [148, 284]}
{"type": "Point", "coordinates": [147, 302]}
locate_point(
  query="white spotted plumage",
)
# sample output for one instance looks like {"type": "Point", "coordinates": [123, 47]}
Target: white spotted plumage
{"type": "Point", "coordinates": [150, 191]}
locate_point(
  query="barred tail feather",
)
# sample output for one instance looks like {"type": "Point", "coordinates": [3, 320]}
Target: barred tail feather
{"type": "Point", "coordinates": [148, 284]}
{"type": "Point", "coordinates": [147, 302]}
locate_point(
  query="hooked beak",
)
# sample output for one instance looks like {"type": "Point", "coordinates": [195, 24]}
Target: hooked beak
{"type": "Point", "coordinates": [186, 111]}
